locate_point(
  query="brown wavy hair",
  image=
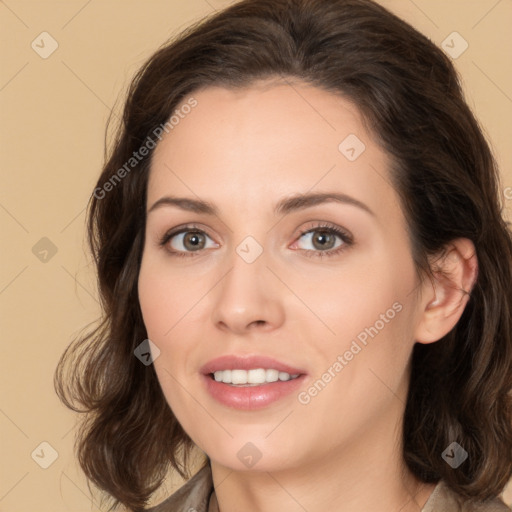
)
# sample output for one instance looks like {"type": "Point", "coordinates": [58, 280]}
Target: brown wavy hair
{"type": "Point", "coordinates": [411, 99]}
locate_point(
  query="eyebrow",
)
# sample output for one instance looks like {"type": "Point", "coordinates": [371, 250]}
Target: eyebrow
{"type": "Point", "coordinates": [283, 207]}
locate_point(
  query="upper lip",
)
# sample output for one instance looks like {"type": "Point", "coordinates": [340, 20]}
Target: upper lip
{"type": "Point", "coordinates": [238, 362]}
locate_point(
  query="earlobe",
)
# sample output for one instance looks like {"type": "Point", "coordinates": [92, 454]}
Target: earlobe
{"type": "Point", "coordinates": [445, 297]}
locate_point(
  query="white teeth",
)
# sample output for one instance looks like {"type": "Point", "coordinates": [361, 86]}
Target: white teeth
{"type": "Point", "coordinates": [251, 377]}
{"type": "Point", "coordinates": [256, 376]}
{"type": "Point", "coordinates": [226, 376]}
{"type": "Point", "coordinates": [272, 375]}
{"type": "Point", "coordinates": [238, 377]}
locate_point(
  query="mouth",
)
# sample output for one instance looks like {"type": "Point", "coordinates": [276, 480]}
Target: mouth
{"type": "Point", "coordinates": [250, 382]}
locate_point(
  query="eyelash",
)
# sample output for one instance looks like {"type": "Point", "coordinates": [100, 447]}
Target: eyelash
{"type": "Point", "coordinates": [324, 227]}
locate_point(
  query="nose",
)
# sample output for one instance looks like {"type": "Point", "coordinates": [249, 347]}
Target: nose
{"type": "Point", "coordinates": [249, 298]}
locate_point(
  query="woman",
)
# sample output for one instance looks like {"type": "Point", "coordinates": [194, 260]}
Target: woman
{"type": "Point", "coordinates": [305, 274]}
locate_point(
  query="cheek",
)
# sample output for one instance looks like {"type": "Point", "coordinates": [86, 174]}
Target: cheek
{"type": "Point", "coordinates": [153, 303]}
{"type": "Point", "coordinates": [369, 310]}
{"type": "Point", "coordinates": [360, 374]}
{"type": "Point", "coordinates": [163, 301]}
{"type": "Point", "coordinates": [173, 317]}
{"type": "Point", "coordinates": [354, 300]}
{"type": "Point", "coordinates": [164, 297]}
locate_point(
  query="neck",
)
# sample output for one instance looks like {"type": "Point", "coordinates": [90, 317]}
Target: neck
{"type": "Point", "coordinates": [317, 489]}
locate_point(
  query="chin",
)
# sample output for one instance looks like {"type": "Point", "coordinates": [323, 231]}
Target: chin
{"type": "Point", "coordinates": [246, 453]}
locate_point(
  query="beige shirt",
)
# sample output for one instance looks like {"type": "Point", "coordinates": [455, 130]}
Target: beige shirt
{"type": "Point", "coordinates": [197, 495]}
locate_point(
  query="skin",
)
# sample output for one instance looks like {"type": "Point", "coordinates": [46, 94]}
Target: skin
{"type": "Point", "coordinates": [244, 151]}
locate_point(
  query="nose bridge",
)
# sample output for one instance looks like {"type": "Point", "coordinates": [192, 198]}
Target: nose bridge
{"type": "Point", "coordinates": [246, 294]}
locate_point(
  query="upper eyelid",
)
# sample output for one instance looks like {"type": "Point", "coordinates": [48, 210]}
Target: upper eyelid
{"type": "Point", "coordinates": [184, 229]}
{"type": "Point", "coordinates": [328, 226]}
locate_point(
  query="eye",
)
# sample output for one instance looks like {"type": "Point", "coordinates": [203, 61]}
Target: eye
{"type": "Point", "coordinates": [322, 240]}
{"type": "Point", "coordinates": [325, 240]}
{"type": "Point", "coordinates": [187, 240]}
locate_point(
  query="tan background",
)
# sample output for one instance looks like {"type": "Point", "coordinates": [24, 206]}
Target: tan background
{"type": "Point", "coordinates": [54, 112]}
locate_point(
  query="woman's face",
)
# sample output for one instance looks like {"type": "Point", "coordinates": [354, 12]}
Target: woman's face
{"type": "Point", "coordinates": [258, 278]}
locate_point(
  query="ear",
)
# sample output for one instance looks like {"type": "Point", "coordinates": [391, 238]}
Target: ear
{"type": "Point", "coordinates": [444, 298]}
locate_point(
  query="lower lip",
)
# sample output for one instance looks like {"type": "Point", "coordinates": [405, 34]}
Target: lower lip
{"type": "Point", "coordinates": [249, 398]}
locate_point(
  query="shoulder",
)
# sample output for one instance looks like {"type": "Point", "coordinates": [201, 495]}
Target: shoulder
{"type": "Point", "coordinates": [194, 495]}
{"type": "Point", "coordinates": [443, 499]}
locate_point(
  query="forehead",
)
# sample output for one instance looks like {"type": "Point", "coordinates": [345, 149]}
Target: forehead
{"type": "Point", "coordinates": [267, 140]}
{"type": "Point", "coordinates": [279, 115]}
